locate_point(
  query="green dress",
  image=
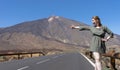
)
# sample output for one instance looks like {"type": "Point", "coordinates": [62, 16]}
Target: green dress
{"type": "Point", "coordinates": [97, 45]}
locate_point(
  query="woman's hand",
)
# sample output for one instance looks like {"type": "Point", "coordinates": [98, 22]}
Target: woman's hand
{"type": "Point", "coordinates": [105, 40]}
{"type": "Point", "coordinates": [75, 27]}
{"type": "Point", "coordinates": [72, 26]}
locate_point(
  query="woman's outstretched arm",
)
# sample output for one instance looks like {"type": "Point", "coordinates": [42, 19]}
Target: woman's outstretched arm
{"type": "Point", "coordinates": [80, 27]}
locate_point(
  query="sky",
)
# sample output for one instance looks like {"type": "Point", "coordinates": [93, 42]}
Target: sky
{"type": "Point", "coordinates": [13, 12]}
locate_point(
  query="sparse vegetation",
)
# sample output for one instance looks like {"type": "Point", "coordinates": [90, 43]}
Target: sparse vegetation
{"type": "Point", "coordinates": [27, 54]}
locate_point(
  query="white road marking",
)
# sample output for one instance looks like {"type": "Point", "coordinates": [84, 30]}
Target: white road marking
{"type": "Point", "coordinates": [88, 59]}
{"type": "Point", "coordinates": [23, 68]}
{"type": "Point", "coordinates": [43, 61]}
{"type": "Point", "coordinates": [61, 54]}
{"type": "Point", "coordinates": [55, 57]}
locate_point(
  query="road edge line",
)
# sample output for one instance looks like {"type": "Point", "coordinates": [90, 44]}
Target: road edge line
{"type": "Point", "coordinates": [88, 59]}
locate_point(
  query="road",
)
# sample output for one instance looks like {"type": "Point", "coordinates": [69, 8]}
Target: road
{"type": "Point", "coordinates": [68, 61]}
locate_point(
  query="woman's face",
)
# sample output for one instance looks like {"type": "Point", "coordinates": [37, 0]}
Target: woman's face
{"type": "Point", "coordinates": [93, 21]}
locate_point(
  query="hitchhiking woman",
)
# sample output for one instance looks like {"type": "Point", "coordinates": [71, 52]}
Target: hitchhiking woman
{"type": "Point", "coordinates": [97, 46]}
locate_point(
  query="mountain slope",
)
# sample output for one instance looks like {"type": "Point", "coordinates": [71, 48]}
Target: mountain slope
{"type": "Point", "coordinates": [51, 32]}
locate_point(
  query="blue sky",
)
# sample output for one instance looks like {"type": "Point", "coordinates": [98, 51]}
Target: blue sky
{"type": "Point", "coordinates": [16, 11]}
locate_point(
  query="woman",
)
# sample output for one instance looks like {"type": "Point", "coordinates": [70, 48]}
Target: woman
{"type": "Point", "coordinates": [98, 39]}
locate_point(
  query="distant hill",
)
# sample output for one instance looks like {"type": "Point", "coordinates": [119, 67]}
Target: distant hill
{"type": "Point", "coordinates": [51, 32]}
{"type": "Point", "coordinates": [1, 29]}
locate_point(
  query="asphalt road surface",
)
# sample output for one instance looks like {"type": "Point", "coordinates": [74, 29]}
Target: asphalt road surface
{"type": "Point", "coordinates": [69, 61]}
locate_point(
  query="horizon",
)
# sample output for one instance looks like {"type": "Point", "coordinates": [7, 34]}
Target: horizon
{"type": "Point", "coordinates": [14, 12]}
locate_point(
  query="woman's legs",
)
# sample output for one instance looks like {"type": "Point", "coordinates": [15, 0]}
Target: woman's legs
{"type": "Point", "coordinates": [97, 61]}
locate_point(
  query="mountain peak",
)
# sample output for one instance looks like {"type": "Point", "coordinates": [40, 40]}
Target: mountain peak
{"type": "Point", "coordinates": [51, 18]}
